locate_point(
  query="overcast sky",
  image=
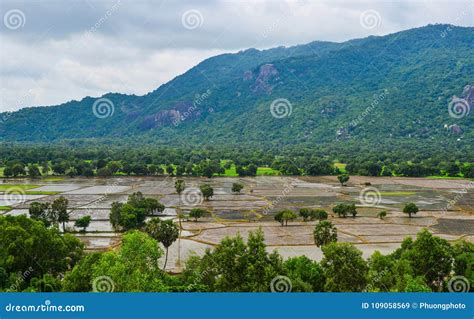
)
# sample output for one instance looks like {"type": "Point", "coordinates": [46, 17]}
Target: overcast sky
{"type": "Point", "coordinates": [56, 51]}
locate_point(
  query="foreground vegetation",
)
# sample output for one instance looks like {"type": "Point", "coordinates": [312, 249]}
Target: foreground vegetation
{"type": "Point", "coordinates": [424, 264]}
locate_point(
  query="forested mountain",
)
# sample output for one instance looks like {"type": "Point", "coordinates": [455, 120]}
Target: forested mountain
{"type": "Point", "coordinates": [389, 91]}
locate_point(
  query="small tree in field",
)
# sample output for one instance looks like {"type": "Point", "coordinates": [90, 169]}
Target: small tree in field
{"type": "Point", "coordinates": [410, 209]}
{"type": "Point", "coordinates": [343, 179]}
{"type": "Point", "coordinates": [197, 213]}
{"type": "Point", "coordinates": [179, 186]}
{"type": "Point", "coordinates": [319, 214]}
{"type": "Point", "coordinates": [237, 187]}
{"type": "Point", "coordinates": [324, 233]}
{"type": "Point", "coordinates": [83, 223]}
{"type": "Point", "coordinates": [382, 214]}
{"type": "Point", "coordinates": [284, 216]}
{"type": "Point", "coordinates": [305, 213]}
{"type": "Point", "coordinates": [166, 232]}
{"type": "Point", "coordinates": [59, 210]}
{"type": "Point", "coordinates": [207, 191]}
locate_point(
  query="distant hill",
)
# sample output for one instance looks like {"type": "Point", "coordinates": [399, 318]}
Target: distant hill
{"type": "Point", "coordinates": [388, 90]}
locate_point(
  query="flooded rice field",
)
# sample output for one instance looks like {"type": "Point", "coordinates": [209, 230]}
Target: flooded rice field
{"type": "Point", "coordinates": [446, 209]}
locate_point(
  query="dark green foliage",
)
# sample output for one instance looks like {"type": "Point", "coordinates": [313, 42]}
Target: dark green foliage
{"type": "Point", "coordinates": [410, 209]}
{"type": "Point", "coordinates": [237, 187]}
{"type": "Point", "coordinates": [59, 209]}
{"type": "Point", "coordinates": [306, 275]}
{"type": "Point", "coordinates": [33, 171]}
{"type": "Point", "coordinates": [234, 266]}
{"type": "Point", "coordinates": [284, 216]}
{"type": "Point", "coordinates": [344, 267]}
{"type": "Point", "coordinates": [166, 232]}
{"type": "Point", "coordinates": [342, 210]}
{"type": "Point", "coordinates": [83, 223]}
{"type": "Point", "coordinates": [207, 191]}
{"type": "Point", "coordinates": [343, 179]}
{"type": "Point", "coordinates": [324, 233]}
{"type": "Point", "coordinates": [197, 213]}
{"type": "Point", "coordinates": [79, 279]}
{"type": "Point", "coordinates": [28, 246]}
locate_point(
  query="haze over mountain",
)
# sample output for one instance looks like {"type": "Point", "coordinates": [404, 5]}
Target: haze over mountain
{"type": "Point", "coordinates": [392, 88]}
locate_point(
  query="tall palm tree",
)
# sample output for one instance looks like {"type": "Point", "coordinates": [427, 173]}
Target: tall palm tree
{"type": "Point", "coordinates": [179, 186]}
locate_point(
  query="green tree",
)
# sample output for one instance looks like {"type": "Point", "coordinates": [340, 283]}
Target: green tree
{"type": "Point", "coordinates": [83, 223]}
{"type": "Point", "coordinates": [179, 186]}
{"type": "Point", "coordinates": [429, 256]}
{"type": "Point", "coordinates": [18, 170]}
{"type": "Point", "coordinates": [197, 213]}
{"type": "Point", "coordinates": [284, 216]}
{"type": "Point", "coordinates": [319, 214]}
{"type": "Point", "coordinates": [114, 215]}
{"type": "Point", "coordinates": [207, 191]}
{"type": "Point", "coordinates": [80, 278]}
{"type": "Point", "coordinates": [343, 179]}
{"type": "Point", "coordinates": [344, 267]}
{"type": "Point", "coordinates": [166, 232]}
{"type": "Point", "coordinates": [306, 275]}
{"type": "Point", "coordinates": [42, 212]}
{"type": "Point", "coordinates": [133, 267]}
{"type": "Point", "coordinates": [382, 214]}
{"type": "Point", "coordinates": [27, 244]}
{"type": "Point", "coordinates": [237, 187]}
{"type": "Point", "coordinates": [305, 213]}
{"type": "Point", "coordinates": [410, 209]}
{"type": "Point", "coordinates": [33, 171]}
{"type": "Point", "coordinates": [342, 210]}
{"type": "Point", "coordinates": [59, 208]}
{"type": "Point", "coordinates": [324, 233]}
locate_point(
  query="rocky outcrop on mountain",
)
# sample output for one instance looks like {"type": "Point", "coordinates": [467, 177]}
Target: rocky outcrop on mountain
{"type": "Point", "coordinates": [267, 73]}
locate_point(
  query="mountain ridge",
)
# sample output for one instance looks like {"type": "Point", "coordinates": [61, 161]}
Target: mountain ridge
{"type": "Point", "coordinates": [328, 85]}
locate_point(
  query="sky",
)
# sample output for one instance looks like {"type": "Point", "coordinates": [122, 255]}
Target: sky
{"type": "Point", "coordinates": [52, 52]}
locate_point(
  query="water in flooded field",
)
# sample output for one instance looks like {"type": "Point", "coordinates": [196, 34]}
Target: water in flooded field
{"type": "Point", "coordinates": [445, 206]}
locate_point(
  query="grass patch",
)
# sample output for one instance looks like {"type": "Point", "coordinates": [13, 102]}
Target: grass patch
{"type": "Point", "coordinates": [5, 208]}
{"type": "Point", "coordinates": [231, 171]}
{"type": "Point", "coordinates": [41, 193]}
{"type": "Point", "coordinates": [53, 179]}
{"type": "Point", "coordinates": [448, 177]}
{"type": "Point", "coordinates": [341, 166]}
{"type": "Point", "coordinates": [4, 187]}
{"type": "Point", "coordinates": [267, 171]}
{"type": "Point", "coordinates": [397, 193]}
